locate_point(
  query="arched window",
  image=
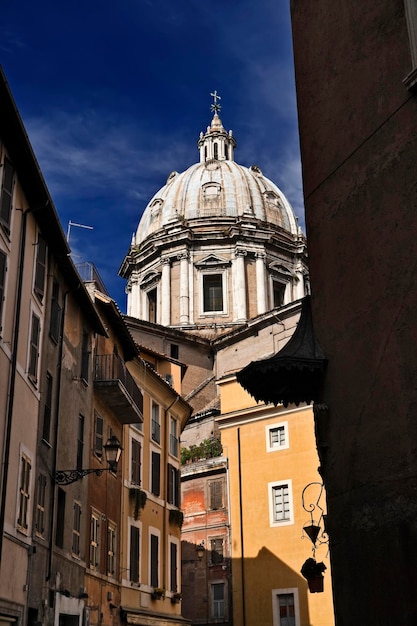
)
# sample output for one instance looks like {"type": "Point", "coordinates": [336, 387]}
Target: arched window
{"type": "Point", "coordinates": [216, 151]}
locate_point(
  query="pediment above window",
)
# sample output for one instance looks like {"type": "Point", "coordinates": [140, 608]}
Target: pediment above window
{"type": "Point", "coordinates": [279, 270]}
{"type": "Point", "coordinates": [149, 279]}
{"type": "Point", "coordinates": [212, 261]}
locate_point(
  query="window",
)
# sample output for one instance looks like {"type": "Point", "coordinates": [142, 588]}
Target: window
{"type": "Point", "coordinates": [216, 150]}
{"type": "Point", "coordinates": [56, 311]}
{"type": "Point", "coordinates": [24, 485]}
{"type": "Point", "coordinates": [134, 556]}
{"type": "Point", "coordinates": [173, 485]}
{"type": "Point", "coordinates": [173, 437]}
{"type": "Point", "coordinates": [85, 357]}
{"type": "Point", "coordinates": [152, 305]}
{"type": "Point", "coordinates": [278, 291]}
{"type": "Point", "coordinates": [218, 608]}
{"type": "Point", "coordinates": [154, 566]}
{"type": "Point", "coordinates": [3, 268]}
{"type": "Point", "coordinates": [136, 462]}
{"type": "Point", "coordinates": [174, 351]}
{"type": "Point", "coordinates": [156, 425]}
{"type": "Point", "coordinates": [34, 347]}
{"type": "Point", "coordinates": [216, 550]}
{"type": "Point", "coordinates": [285, 607]}
{"type": "Point", "coordinates": [40, 506]}
{"type": "Point", "coordinates": [60, 519]}
{"type": "Point", "coordinates": [216, 494]}
{"type": "Point", "coordinates": [173, 566]}
{"type": "Point", "coordinates": [94, 540]}
{"type": "Point", "coordinates": [47, 408]}
{"type": "Point", "coordinates": [40, 268]}
{"type": "Point", "coordinates": [98, 434]}
{"type": "Point", "coordinates": [80, 442]}
{"type": "Point", "coordinates": [212, 293]}
{"type": "Point", "coordinates": [281, 512]}
{"type": "Point", "coordinates": [76, 529]}
{"type": "Point", "coordinates": [111, 549]}
{"type": "Point", "coordinates": [6, 193]}
{"type": "Point", "coordinates": [277, 437]}
{"type": "Point", "coordinates": [156, 473]}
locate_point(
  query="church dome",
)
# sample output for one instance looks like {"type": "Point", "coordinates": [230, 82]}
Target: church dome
{"type": "Point", "coordinates": [217, 189]}
{"type": "Point", "coordinates": [217, 245]}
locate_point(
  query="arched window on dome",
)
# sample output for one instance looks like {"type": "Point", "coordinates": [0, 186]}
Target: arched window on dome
{"type": "Point", "coordinates": [152, 298]}
{"type": "Point", "coordinates": [226, 151]}
{"type": "Point", "coordinates": [216, 150]}
{"type": "Point", "coordinates": [205, 153]}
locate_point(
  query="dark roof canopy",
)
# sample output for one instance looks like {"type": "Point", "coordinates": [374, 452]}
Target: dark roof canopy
{"type": "Point", "coordinates": [293, 375]}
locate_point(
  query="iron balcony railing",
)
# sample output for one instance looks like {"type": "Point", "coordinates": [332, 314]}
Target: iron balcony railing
{"type": "Point", "coordinates": [110, 373]}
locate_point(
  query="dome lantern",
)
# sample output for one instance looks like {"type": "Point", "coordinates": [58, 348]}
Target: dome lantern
{"type": "Point", "coordinates": [216, 143]}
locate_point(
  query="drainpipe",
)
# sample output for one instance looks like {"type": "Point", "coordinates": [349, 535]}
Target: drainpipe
{"type": "Point", "coordinates": [12, 381]}
{"type": "Point", "coordinates": [242, 547]}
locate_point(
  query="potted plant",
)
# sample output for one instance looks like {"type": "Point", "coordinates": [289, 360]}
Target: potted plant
{"type": "Point", "coordinates": [157, 593]}
{"type": "Point", "coordinates": [313, 572]}
{"type": "Point", "coordinates": [176, 598]}
{"type": "Point", "coordinates": [139, 498]}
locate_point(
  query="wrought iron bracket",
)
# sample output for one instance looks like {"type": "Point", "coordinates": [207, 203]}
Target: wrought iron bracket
{"type": "Point", "coordinates": [66, 477]}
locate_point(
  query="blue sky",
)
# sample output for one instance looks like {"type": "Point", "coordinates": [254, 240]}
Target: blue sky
{"type": "Point", "coordinates": [114, 96]}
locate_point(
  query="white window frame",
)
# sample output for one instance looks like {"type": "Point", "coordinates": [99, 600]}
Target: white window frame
{"type": "Point", "coordinates": [24, 494]}
{"type": "Point", "coordinates": [40, 506]}
{"type": "Point", "coordinates": [135, 437]}
{"type": "Point", "coordinates": [271, 493]}
{"type": "Point", "coordinates": [278, 425]}
{"type": "Point", "coordinates": [76, 530]}
{"type": "Point", "coordinates": [137, 524]}
{"type": "Point", "coordinates": [174, 443]}
{"type": "Point", "coordinates": [111, 550]}
{"type": "Point", "coordinates": [275, 605]}
{"type": "Point", "coordinates": [157, 421]}
{"type": "Point", "coordinates": [225, 607]}
{"type": "Point", "coordinates": [95, 543]}
{"type": "Point", "coordinates": [213, 271]}
{"type": "Point", "coordinates": [34, 376]}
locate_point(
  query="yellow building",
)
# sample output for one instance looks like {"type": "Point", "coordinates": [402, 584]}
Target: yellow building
{"type": "Point", "coordinates": [272, 458]}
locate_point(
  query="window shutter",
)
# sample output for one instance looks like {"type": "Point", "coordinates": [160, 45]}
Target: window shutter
{"type": "Point", "coordinates": [6, 193]}
{"type": "Point", "coordinates": [170, 483]}
{"type": "Point", "coordinates": [40, 269]}
{"type": "Point", "coordinates": [134, 554]}
{"type": "Point", "coordinates": [154, 560]}
{"type": "Point", "coordinates": [156, 477]}
{"type": "Point", "coordinates": [173, 568]}
{"type": "Point", "coordinates": [136, 462]}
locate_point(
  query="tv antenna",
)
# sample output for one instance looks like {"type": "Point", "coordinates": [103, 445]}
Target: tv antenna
{"type": "Point", "coordinates": [78, 226]}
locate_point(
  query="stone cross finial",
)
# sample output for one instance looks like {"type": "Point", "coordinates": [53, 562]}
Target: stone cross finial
{"type": "Point", "coordinates": [215, 107]}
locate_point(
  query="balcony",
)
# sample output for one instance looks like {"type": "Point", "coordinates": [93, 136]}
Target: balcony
{"type": "Point", "coordinates": [118, 388]}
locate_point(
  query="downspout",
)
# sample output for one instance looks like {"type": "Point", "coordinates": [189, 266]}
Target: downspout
{"type": "Point", "coordinates": [242, 547]}
{"type": "Point", "coordinates": [56, 426]}
{"type": "Point", "coordinates": [12, 381]}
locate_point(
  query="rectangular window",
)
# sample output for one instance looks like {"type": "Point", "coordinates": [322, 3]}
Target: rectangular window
{"type": "Point", "coordinates": [85, 357]}
{"type": "Point", "coordinates": [156, 473]}
{"type": "Point", "coordinates": [277, 437]}
{"type": "Point", "coordinates": [173, 437]}
{"type": "Point", "coordinates": [173, 562]}
{"type": "Point", "coordinates": [281, 511]}
{"type": "Point", "coordinates": [47, 408]}
{"type": "Point", "coordinates": [76, 529]}
{"type": "Point", "coordinates": [156, 424]}
{"type": "Point", "coordinates": [135, 462]}
{"type": "Point", "coordinates": [80, 442]}
{"type": "Point", "coordinates": [174, 351]}
{"type": "Point", "coordinates": [60, 519]}
{"type": "Point", "coordinates": [111, 549]}
{"type": "Point", "coordinates": [56, 312]}
{"type": "Point", "coordinates": [35, 332]}
{"type": "Point", "coordinates": [216, 494]}
{"type": "Point", "coordinates": [285, 607]}
{"type": "Point", "coordinates": [95, 541]}
{"type": "Point", "coordinates": [40, 506]}
{"type": "Point", "coordinates": [6, 194]}
{"type": "Point", "coordinates": [218, 605]}
{"type": "Point", "coordinates": [212, 292]}
{"type": "Point", "coordinates": [278, 290]}
{"type": "Point", "coordinates": [216, 550]}
{"type": "Point", "coordinates": [134, 554]}
{"type": "Point", "coordinates": [40, 267]}
{"type": "Point", "coordinates": [154, 561]}
{"type": "Point", "coordinates": [98, 434]}
{"type": "Point", "coordinates": [3, 267]}
{"type": "Point", "coordinates": [173, 485]}
{"type": "Point", "coordinates": [152, 305]}
{"type": "Point", "coordinates": [24, 485]}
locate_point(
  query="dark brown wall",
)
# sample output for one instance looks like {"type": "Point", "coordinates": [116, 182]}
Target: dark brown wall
{"type": "Point", "coordinates": [358, 141]}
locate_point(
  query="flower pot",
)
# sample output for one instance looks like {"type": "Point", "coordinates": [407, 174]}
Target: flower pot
{"type": "Point", "coordinates": [315, 583]}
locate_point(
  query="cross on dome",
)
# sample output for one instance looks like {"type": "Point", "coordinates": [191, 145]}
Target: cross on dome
{"type": "Point", "coordinates": [215, 108]}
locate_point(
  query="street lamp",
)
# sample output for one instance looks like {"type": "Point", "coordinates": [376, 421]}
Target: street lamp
{"type": "Point", "coordinates": [112, 450]}
{"type": "Point", "coordinates": [200, 549]}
